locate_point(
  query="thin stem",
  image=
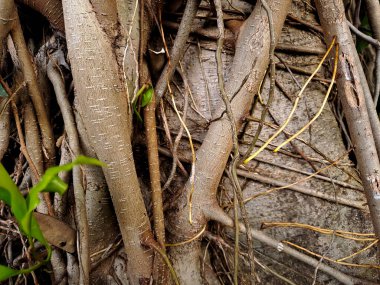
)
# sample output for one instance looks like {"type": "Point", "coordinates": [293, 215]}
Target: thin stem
{"type": "Point", "coordinates": [80, 200]}
{"type": "Point", "coordinates": [178, 48]}
{"type": "Point", "coordinates": [34, 92]}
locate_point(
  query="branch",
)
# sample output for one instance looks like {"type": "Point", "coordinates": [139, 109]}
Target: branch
{"type": "Point", "coordinates": [4, 130]}
{"type": "Point", "coordinates": [51, 10]}
{"type": "Point", "coordinates": [332, 16]}
{"type": "Point", "coordinates": [58, 83]}
{"type": "Point", "coordinates": [223, 218]}
{"type": "Point", "coordinates": [178, 48]}
{"type": "Point", "coordinates": [34, 93]}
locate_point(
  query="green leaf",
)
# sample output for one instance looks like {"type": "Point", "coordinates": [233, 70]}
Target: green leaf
{"type": "Point", "coordinates": [50, 182]}
{"type": "Point", "coordinates": [6, 272]}
{"type": "Point", "coordinates": [3, 93]}
{"type": "Point", "coordinates": [147, 96]}
{"type": "Point", "coordinates": [23, 209]}
{"type": "Point", "coordinates": [146, 93]}
{"type": "Point", "coordinates": [10, 194]}
{"type": "Point", "coordinates": [137, 113]}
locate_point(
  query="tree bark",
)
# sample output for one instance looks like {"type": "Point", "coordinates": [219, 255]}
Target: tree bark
{"type": "Point", "coordinates": [333, 20]}
{"type": "Point", "coordinates": [102, 104]}
{"type": "Point", "coordinates": [251, 57]}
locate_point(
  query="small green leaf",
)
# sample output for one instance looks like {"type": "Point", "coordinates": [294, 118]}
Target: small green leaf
{"type": "Point", "coordinates": [23, 208]}
{"type": "Point", "coordinates": [56, 185]}
{"type": "Point", "coordinates": [3, 93]}
{"type": "Point", "coordinates": [137, 113]}
{"type": "Point", "coordinates": [10, 194]}
{"type": "Point", "coordinates": [50, 182]}
{"type": "Point", "coordinates": [147, 96]}
{"type": "Point", "coordinates": [141, 91]}
{"type": "Point", "coordinates": [6, 272]}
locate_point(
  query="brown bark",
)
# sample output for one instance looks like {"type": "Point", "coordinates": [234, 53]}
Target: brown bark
{"type": "Point", "coordinates": [51, 9]}
{"type": "Point", "coordinates": [102, 104]}
{"type": "Point", "coordinates": [7, 12]}
{"type": "Point", "coordinates": [252, 57]}
{"type": "Point", "coordinates": [32, 141]}
{"type": "Point", "coordinates": [35, 94]}
{"type": "Point", "coordinates": [8, 15]}
{"type": "Point", "coordinates": [333, 20]}
{"type": "Point", "coordinates": [129, 42]}
{"type": "Point", "coordinates": [4, 130]}
{"type": "Point", "coordinates": [106, 14]}
{"type": "Point", "coordinates": [373, 8]}
{"type": "Point", "coordinates": [102, 223]}
{"type": "Point", "coordinates": [178, 48]}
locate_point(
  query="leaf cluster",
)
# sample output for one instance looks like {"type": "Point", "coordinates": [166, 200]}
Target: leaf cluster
{"type": "Point", "coordinates": [23, 208]}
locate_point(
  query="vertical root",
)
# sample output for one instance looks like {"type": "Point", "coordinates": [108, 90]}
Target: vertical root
{"type": "Point", "coordinates": [4, 131]}
{"type": "Point", "coordinates": [34, 92]}
{"type": "Point", "coordinates": [80, 201]}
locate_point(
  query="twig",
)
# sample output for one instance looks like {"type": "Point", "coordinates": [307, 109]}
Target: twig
{"type": "Point", "coordinates": [299, 49]}
{"type": "Point", "coordinates": [23, 147]}
{"type": "Point", "coordinates": [299, 96]}
{"type": "Point", "coordinates": [338, 182]}
{"type": "Point", "coordinates": [295, 69]}
{"type": "Point", "coordinates": [302, 189]}
{"type": "Point", "coordinates": [362, 35]}
{"type": "Point", "coordinates": [360, 237]}
{"type": "Point", "coordinates": [221, 242]}
{"type": "Point", "coordinates": [179, 136]}
{"type": "Point", "coordinates": [336, 261]}
{"type": "Point", "coordinates": [178, 48]}
{"type": "Point", "coordinates": [306, 23]}
{"type": "Point", "coordinates": [294, 183]}
{"type": "Point", "coordinates": [355, 104]}
{"type": "Point", "coordinates": [322, 106]}
{"type": "Point", "coordinates": [192, 174]}
{"type": "Point", "coordinates": [169, 138]}
{"type": "Point", "coordinates": [223, 218]}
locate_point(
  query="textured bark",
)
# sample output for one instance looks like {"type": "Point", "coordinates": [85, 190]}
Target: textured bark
{"type": "Point", "coordinates": [51, 9]}
{"type": "Point", "coordinates": [129, 21]}
{"type": "Point", "coordinates": [102, 104]}
{"type": "Point", "coordinates": [106, 14]}
{"type": "Point", "coordinates": [251, 57]}
{"type": "Point", "coordinates": [32, 141]}
{"type": "Point", "coordinates": [373, 8]}
{"type": "Point", "coordinates": [58, 83]}
{"type": "Point", "coordinates": [333, 20]}
{"type": "Point", "coordinates": [7, 12]}
{"type": "Point", "coordinates": [178, 48]}
{"type": "Point", "coordinates": [4, 131]}
{"type": "Point", "coordinates": [101, 217]}
{"type": "Point", "coordinates": [35, 94]}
